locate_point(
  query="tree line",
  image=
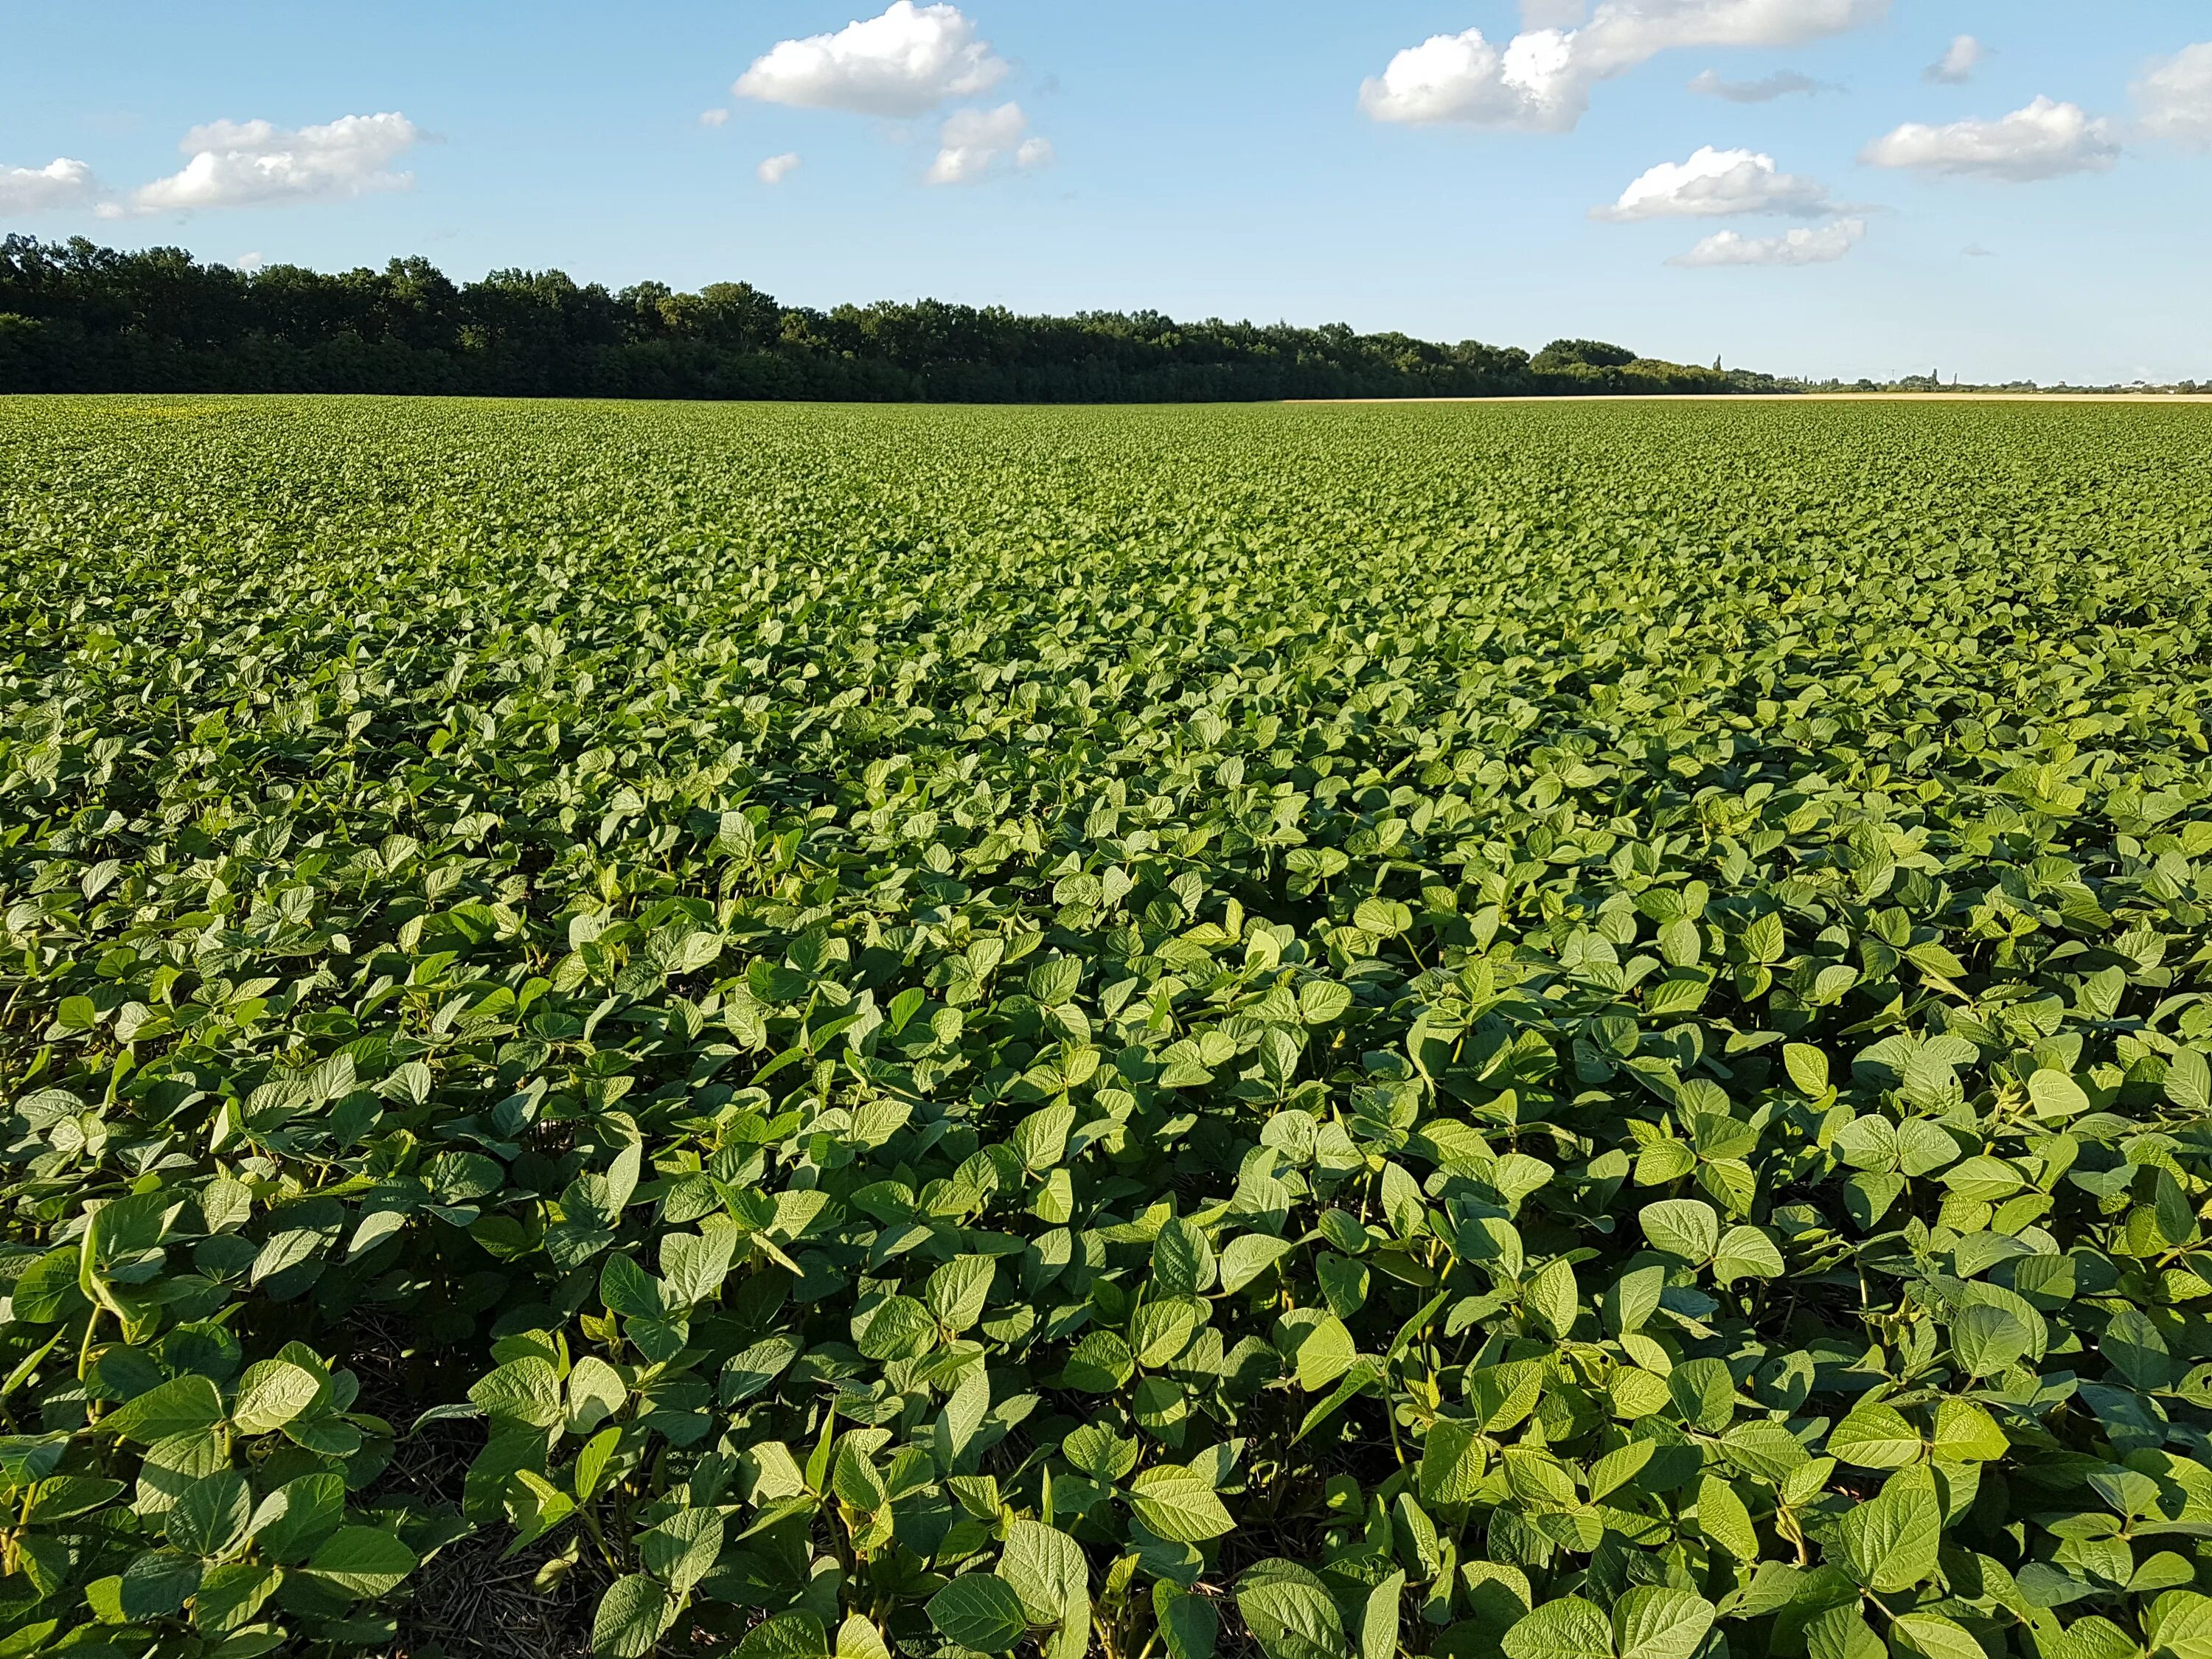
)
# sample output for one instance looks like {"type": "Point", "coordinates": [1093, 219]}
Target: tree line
{"type": "Point", "coordinates": [77, 317]}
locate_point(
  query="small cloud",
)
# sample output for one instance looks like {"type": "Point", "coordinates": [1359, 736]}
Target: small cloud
{"type": "Point", "coordinates": [256, 164]}
{"type": "Point", "coordinates": [2044, 140]}
{"type": "Point", "coordinates": [2174, 99]}
{"type": "Point", "coordinates": [973, 142]}
{"type": "Point", "coordinates": [248, 263]}
{"type": "Point", "coordinates": [1956, 64]}
{"type": "Point", "coordinates": [904, 63]}
{"type": "Point", "coordinates": [1540, 80]}
{"type": "Point", "coordinates": [1764, 90]}
{"type": "Point", "coordinates": [1715, 184]}
{"type": "Point", "coordinates": [714, 117]}
{"type": "Point", "coordinates": [1804, 246]}
{"type": "Point", "coordinates": [777, 168]}
{"type": "Point", "coordinates": [1976, 250]}
{"type": "Point", "coordinates": [61, 183]}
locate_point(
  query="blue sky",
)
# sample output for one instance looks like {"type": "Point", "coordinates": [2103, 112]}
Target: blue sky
{"type": "Point", "coordinates": [1377, 164]}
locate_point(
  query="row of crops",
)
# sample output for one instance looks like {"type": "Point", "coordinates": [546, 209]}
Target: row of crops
{"type": "Point", "coordinates": [1312, 1032]}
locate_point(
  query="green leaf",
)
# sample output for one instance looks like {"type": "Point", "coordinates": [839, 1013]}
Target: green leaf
{"type": "Point", "coordinates": [210, 1515]}
{"type": "Point", "coordinates": [958, 1291]}
{"type": "Point", "coordinates": [1247, 1256]}
{"type": "Point", "coordinates": [1875, 1437]}
{"type": "Point", "coordinates": [632, 1618]}
{"type": "Point", "coordinates": [1890, 1540]}
{"type": "Point", "coordinates": [1986, 1339]}
{"type": "Point", "coordinates": [1100, 1363]}
{"type": "Point", "coordinates": [1723, 1518]}
{"type": "Point", "coordinates": [1288, 1613]}
{"type": "Point", "coordinates": [1179, 1505]}
{"type": "Point", "coordinates": [1746, 1253]}
{"type": "Point", "coordinates": [362, 1561]}
{"type": "Point", "coordinates": [1324, 1352]}
{"type": "Point", "coordinates": [1932, 1636]}
{"type": "Point", "coordinates": [1182, 1260]}
{"type": "Point", "coordinates": [181, 1406]}
{"type": "Point", "coordinates": [1188, 1624]}
{"type": "Point", "coordinates": [1452, 1462]}
{"type": "Point", "coordinates": [1554, 1300]}
{"type": "Point", "coordinates": [272, 1394]}
{"type": "Point", "coordinates": [1568, 1628]}
{"type": "Point", "coordinates": [786, 1635]}
{"type": "Point", "coordinates": [231, 1594]}
{"type": "Point", "coordinates": [981, 1612]}
{"type": "Point", "coordinates": [746, 1373]}
{"type": "Point", "coordinates": [1046, 1570]}
{"type": "Point", "coordinates": [1686, 1227]}
{"type": "Point", "coordinates": [1807, 1068]}
{"type": "Point", "coordinates": [291, 1522]}
{"type": "Point", "coordinates": [681, 1550]}
{"type": "Point", "coordinates": [1656, 1621]}
{"type": "Point", "coordinates": [2188, 1081]}
{"type": "Point", "coordinates": [524, 1391]}
{"type": "Point", "coordinates": [896, 1327]}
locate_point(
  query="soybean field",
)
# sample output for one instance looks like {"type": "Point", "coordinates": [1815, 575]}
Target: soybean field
{"type": "Point", "coordinates": [1308, 1032]}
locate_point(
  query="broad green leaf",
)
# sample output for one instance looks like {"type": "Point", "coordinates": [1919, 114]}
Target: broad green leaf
{"type": "Point", "coordinates": [1568, 1628]}
{"type": "Point", "coordinates": [632, 1617]}
{"type": "Point", "coordinates": [1179, 1505]}
{"type": "Point", "coordinates": [1685, 1227]}
{"type": "Point", "coordinates": [981, 1612]}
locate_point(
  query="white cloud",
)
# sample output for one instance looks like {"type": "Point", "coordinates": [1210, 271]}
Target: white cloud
{"type": "Point", "coordinates": [253, 163]}
{"type": "Point", "coordinates": [1976, 250]}
{"type": "Point", "coordinates": [2175, 100]}
{"type": "Point", "coordinates": [1623, 33]}
{"type": "Point", "coordinates": [61, 183]}
{"type": "Point", "coordinates": [1956, 66]}
{"type": "Point", "coordinates": [1764, 90]}
{"type": "Point", "coordinates": [1532, 84]}
{"type": "Point", "coordinates": [905, 62]}
{"type": "Point", "coordinates": [1804, 246]}
{"type": "Point", "coordinates": [1715, 184]}
{"type": "Point", "coordinates": [973, 142]}
{"type": "Point", "coordinates": [714, 117]}
{"type": "Point", "coordinates": [777, 168]}
{"type": "Point", "coordinates": [2042, 141]}
{"type": "Point", "coordinates": [1540, 80]}
{"type": "Point", "coordinates": [248, 263]}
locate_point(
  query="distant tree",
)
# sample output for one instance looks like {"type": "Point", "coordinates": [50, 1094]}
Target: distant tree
{"type": "Point", "coordinates": [76, 317]}
{"type": "Point", "coordinates": [1591, 354]}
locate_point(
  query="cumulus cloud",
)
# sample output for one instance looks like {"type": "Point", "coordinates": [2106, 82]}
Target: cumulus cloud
{"type": "Point", "coordinates": [1540, 80]}
{"type": "Point", "coordinates": [714, 117]}
{"type": "Point", "coordinates": [777, 168]}
{"type": "Point", "coordinates": [254, 163]}
{"type": "Point", "coordinates": [974, 144]}
{"type": "Point", "coordinates": [1956, 66]}
{"type": "Point", "coordinates": [905, 62]}
{"type": "Point", "coordinates": [2042, 140]}
{"type": "Point", "coordinates": [1717, 184]}
{"type": "Point", "coordinates": [2173, 100]}
{"type": "Point", "coordinates": [1804, 246]}
{"type": "Point", "coordinates": [1976, 250]}
{"type": "Point", "coordinates": [61, 183]}
{"type": "Point", "coordinates": [248, 263]}
{"type": "Point", "coordinates": [1764, 90]}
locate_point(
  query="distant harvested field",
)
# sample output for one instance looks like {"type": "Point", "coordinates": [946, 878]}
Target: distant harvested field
{"type": "Point", "coordinates": [1812, 396]}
